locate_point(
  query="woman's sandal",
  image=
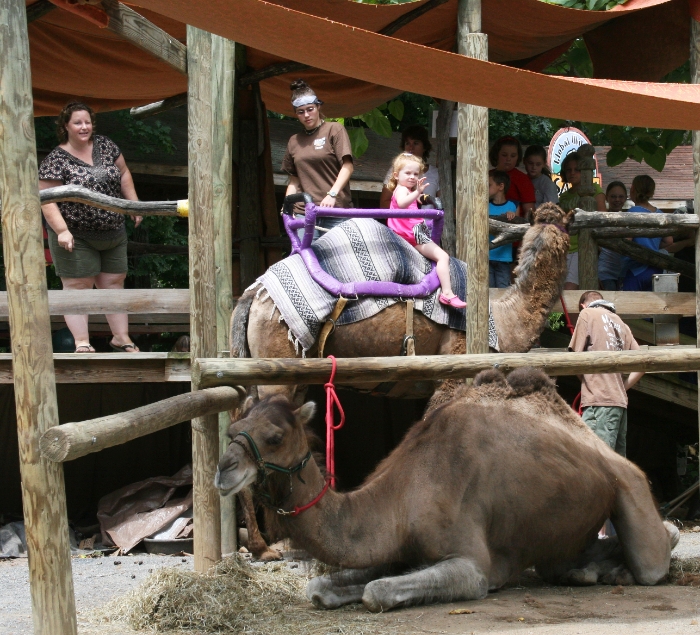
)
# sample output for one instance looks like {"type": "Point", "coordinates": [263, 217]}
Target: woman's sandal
{"type": "Point", "coordinates": [124, 348]}
{"type": "Point", "coordinates": [84, 348]}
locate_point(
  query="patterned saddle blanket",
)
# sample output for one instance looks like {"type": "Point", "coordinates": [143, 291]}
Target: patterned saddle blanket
{"type": "Point", "coordinates": [357, 250]}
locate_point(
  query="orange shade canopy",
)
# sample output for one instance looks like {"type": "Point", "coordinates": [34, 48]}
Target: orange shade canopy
{"type": "Point", "coordinates": [355, 69]}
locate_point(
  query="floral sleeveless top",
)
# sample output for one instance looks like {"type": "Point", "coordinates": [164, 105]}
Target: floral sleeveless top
{"type": "Point", "coordinates": [103, 176]}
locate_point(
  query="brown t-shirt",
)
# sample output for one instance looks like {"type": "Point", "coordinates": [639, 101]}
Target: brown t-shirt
{"type": "Point", "coordinates": [316, 160]}
{"type": "Point", "coordinates": [598, 329]}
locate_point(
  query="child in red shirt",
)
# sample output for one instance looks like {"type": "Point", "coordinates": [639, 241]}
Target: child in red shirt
{"type": "Point", "coordinates": [506, 155]}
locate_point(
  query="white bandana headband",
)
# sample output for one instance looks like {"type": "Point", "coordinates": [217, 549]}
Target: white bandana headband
{"type": "Point", "coordinates": [305, 100]}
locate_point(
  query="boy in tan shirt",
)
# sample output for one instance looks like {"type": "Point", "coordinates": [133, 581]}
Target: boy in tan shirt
{"type": "Point", "coordinates": [604, 396]}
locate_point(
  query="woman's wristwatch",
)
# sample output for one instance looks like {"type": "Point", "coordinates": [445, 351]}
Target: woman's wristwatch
{"type": "Point", "coordinates": [332, 193]}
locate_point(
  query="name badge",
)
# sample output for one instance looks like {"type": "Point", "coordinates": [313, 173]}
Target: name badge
{"type": "Point", "coordinates": [319, 143]}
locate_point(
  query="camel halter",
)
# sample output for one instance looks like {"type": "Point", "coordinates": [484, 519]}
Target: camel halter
{"type": "Point", "coordinates": [263, 466]}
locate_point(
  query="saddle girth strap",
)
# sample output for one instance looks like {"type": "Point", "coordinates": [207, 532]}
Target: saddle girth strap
{"type": "Point", "coordinates": [329, 325]}
{"type": "Point", "coordinates": [409, 341]}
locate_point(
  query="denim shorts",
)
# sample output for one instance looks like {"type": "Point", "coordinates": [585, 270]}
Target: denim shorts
{"type": "Point", "coordinates": [89, 257]}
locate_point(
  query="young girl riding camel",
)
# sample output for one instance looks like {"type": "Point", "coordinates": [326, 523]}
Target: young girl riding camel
{"type": "Point", "coordinates": [407, 185]}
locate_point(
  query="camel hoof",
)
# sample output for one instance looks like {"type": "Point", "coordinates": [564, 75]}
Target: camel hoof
{"type": "Point", "coordinates": [619, 576]}
{"type": "Point", "coordinates": [270, 555]}
{"type": "Point", "coordinates": [324, 594]}
{"type": "Point", "coordinates": [581, 577]}
{"type": "Point", "coordinates": [673, 534]}
{"type": "Point", "coordinates": [374, 597]}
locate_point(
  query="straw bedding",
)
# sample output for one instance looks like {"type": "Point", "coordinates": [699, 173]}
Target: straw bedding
{"type": "Point", "coordinates": [234, 597]}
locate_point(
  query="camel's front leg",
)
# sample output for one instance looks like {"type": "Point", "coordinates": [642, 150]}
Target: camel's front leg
{"type": "Point", "coordinates": [342, 587]}
{"type": "Point", "coordinates": [446, 581]}
{"type": "Point", "coordinates": [256, 543]}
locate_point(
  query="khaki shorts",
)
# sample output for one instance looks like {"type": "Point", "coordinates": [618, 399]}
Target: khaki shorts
{"type": "Point", "coordinates": [89, 257]}
{"type": "Point", "coordinates": [610, 425]}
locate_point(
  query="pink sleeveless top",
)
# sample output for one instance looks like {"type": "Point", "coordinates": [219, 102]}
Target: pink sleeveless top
{"type": "Point", "coordinates": [404, 226]}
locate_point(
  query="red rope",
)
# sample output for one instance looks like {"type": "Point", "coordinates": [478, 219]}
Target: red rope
{"type": "Point", "coordinates": [576, 403]}
{"type": "Point", "coordinates": [309, 505]}
{"type": "Point", "coordinates": [331, 401]}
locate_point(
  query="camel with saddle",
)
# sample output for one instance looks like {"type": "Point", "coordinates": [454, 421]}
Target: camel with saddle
{"type": "Point", "coordinates": [519, 317]}
{"type": "Point", "coordinates": [501, 477]}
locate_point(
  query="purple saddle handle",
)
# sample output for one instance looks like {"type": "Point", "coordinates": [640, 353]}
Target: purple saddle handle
{"type": "Point", "coordinates": [302, 246]}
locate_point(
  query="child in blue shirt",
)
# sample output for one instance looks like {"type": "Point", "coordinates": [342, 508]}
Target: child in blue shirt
{"type": "Point", "coordinates": [500, 258]}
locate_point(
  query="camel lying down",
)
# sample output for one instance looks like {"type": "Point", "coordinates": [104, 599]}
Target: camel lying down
{"type": "Point", "coordinates": [501, 477]}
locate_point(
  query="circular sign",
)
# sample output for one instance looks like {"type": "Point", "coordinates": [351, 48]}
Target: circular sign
{"type": "Point", "coordinates": [565, 141]}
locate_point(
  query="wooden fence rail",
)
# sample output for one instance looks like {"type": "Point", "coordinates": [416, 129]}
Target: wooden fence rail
{"type": "Point", "coordinates": [73, 440]}
{"type": "Point", "coordinates": [229, 372]}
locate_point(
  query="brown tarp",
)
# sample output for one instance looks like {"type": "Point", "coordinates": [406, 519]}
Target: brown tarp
{"type": "Point", "coordinates": [73, 57]}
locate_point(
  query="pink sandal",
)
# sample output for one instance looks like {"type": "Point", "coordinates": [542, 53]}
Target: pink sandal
{"type": "Point", "coordinates": [454, 301]}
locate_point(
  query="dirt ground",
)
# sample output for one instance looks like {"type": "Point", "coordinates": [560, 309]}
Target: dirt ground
{"type": "Point", "coordinates": [528, 606]}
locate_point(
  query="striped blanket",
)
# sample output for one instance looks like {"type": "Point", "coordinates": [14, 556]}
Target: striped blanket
{"type": "Point", "coordinates": [358, 249]}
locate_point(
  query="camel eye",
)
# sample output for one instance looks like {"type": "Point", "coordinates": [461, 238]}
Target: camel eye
{"type": "Point", "coordinates": [275, 440]}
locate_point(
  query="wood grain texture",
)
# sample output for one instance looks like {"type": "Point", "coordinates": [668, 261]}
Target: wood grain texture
{"type": "Point", "coordinates": [158, 107]}
{"type": "Point", "coordinates": [43, 489]}
{"type": "Point", "coordinates": [232, 372]}
{"type": "Point", "coordinates": [225, 135]}
{"type": "Point", "coordinates": [205, 430]}
{"type": "Point", "coordinates": [111, 368]}
{"type": "Point", "coordinates": [648, 256]}
{"type": "Point", "coordinates": [444, 162]}
{"type": "Point", "coordinates": [632, 304]}
{"type": "Point", "coordinates": [101, 301]}
{"type": "Point", "coordinates": [70, 441]}
{"type": "Point", "coordinates": [472, 206]}
{"type": "Point", "coordinates": [78, 194]}
{"type": "Point", "coordinates": [145, 35]}
{"type": "Point", "coordinates": [662, 388]}
{"type": "Point", "coordinates": [587, 248]}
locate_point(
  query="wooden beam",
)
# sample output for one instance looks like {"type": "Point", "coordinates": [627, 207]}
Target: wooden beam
{"type": "Point", "coordinates": [225, 137]}
{"type": "Point", "coordinates": [472, 204]}
{"type": "Point", "coordinates": [176, 171]}
{"type": "Point", "coordinates": [158, 107]}
{"type": "Point", "coordinates": [102, 301]}
{"type": "Point", "coordinates": [39, 10]}
{"type": "Point", "coordinates": [78, 194]}
{"type": "Point", "coordinates": [70, 441]}
{"type": "Point", "coordinates": [648, 256]}
{"type": "Point", "coordinates": [444, 161]}
{"type": "Point", "coordinates": [43, 488]}
{"type": "Point", "coordinates": [587, 248]}
{"type": "Point", "coordinates": [205, 430]}
{"type": "Point", "coordinates": [142, 33]}
{"type": "Point", "coordinates": [247, 372]}
{"type": "Point", "coordinates": [662, 387]}
{"type": "Point", "coordinates": [282, 68]}
{"type": "Point", "coordinates": [111, 368]}
{"type": "Point", "coordinates": [630, 304]}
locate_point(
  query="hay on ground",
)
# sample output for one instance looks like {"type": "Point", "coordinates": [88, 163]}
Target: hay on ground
{"type": "Point", "coordinates": [234, 597]}
{"type": "Point", "coordinates": [684, 572]}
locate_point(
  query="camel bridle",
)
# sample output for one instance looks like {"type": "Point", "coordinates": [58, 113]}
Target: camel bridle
{"type": "Point", "coordinates": [251, 450]}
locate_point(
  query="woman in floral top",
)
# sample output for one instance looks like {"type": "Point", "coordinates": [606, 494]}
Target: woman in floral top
{"type": "Point", "coordinates": [88, 245]}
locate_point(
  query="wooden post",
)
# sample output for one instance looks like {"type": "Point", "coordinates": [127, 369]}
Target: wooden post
{"type": "Point", "coordinates": [587, 247]}
{"type": "Point", "coordinates": [223, 90]}
{"type": "Point", "coordinates": [472, 208]}
{"type": "Point", "coordinates": [444, 160]}
{"type": "Point", "coordinates": [695, 79]}
{"type": "Point", "coordinates": [43, 488]}
{"type": "Point", "coordinates": [205, 430]}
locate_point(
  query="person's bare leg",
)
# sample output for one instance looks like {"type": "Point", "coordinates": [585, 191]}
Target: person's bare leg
{"type": "Point", "coordinates": [118, 322]}
{"type": "Point", "coordinates": [442, 265]}
{"type": "Point", "coordinates": [78, 324]}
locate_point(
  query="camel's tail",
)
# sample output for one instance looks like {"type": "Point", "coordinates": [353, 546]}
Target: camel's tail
{"type": "Point", "coordinates": [239, 325]}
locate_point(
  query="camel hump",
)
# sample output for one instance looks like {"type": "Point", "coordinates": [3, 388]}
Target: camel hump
{"type": "Point", "coordinates": [239, 325]}
{"type": "Point", "coordinates": [490, 376]}
{"type": "Point", "coordinates": [526, 380]}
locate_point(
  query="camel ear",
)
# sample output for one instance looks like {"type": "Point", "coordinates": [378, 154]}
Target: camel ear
{"type": "Point", "coordinates": [305, 414]}
{"type": "Point", "coordinates": [249, 402]}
